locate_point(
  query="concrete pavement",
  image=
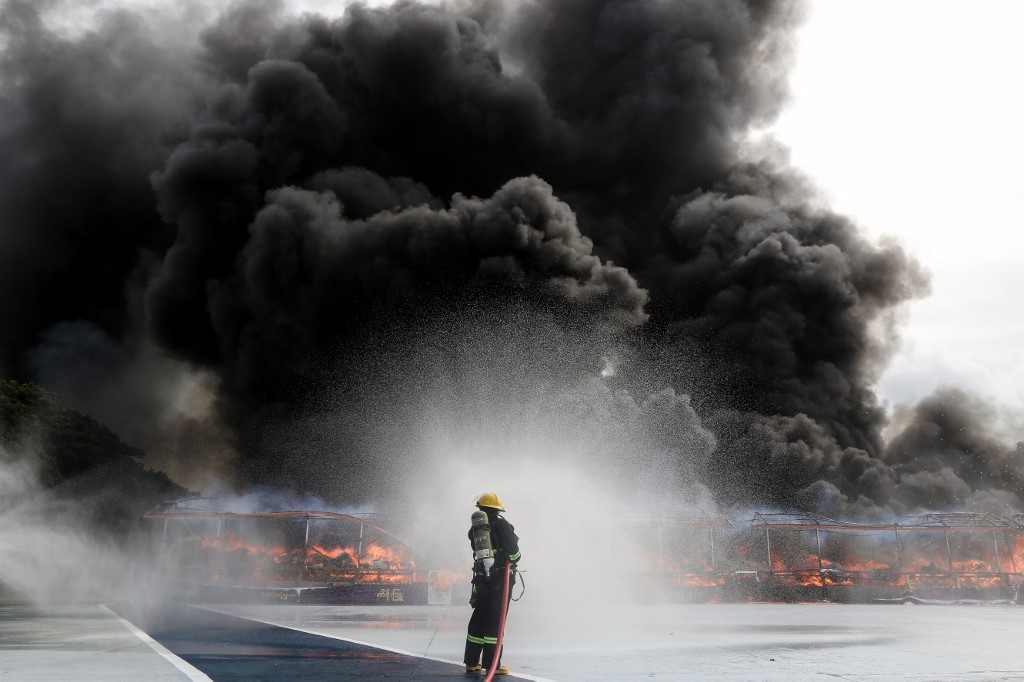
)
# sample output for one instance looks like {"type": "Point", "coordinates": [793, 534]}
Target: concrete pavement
{"type": "Point", "coordinates": [545, 642]}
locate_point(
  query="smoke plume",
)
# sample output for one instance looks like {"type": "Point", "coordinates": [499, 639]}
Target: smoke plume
{"type": "Point", "coordinates": [415, 232]}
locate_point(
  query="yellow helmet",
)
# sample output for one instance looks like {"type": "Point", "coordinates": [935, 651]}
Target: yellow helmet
{"type": "Point", "coordinates": [490, 500]}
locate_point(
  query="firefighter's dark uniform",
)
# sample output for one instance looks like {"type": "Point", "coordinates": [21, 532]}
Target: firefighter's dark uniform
{"type": "Point", "coordinates": [487, 592]}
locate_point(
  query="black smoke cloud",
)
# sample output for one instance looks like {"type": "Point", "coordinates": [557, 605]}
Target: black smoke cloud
{"type": "Point", "coordinates": [787, 294]}
{"type": "Point", "coordinates": [311, 210]}
{"type": "Point", "coordinates": [84, 122]}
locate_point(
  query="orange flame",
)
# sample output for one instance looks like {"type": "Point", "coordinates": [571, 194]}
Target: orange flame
{"type": "Point", "coordinates": [237, 558]}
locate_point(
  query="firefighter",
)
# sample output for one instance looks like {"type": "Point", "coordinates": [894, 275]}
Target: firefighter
{"type": "Point", "coordinates": [493, 540]}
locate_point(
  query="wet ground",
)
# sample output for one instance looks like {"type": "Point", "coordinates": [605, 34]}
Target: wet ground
{"type": "Point", "coordinates": [606, 643]}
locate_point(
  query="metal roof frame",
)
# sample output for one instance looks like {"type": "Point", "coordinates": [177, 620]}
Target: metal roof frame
{"type": "Point", "coordinates": [946, 521]}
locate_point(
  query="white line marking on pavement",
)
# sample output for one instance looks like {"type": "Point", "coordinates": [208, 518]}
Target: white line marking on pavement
{"type": "Point", "coordinates": [191, 672]}
{"type": "Point", "coordinates": [533, 678]}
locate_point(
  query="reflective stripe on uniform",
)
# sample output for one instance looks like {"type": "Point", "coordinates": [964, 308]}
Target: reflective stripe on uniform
{"type": "Point", "coordinates": [490, 640]}
{"type": "Point", "coordinates": [476, 640]}
{"type": "Point", "coordinates": [515, 557]}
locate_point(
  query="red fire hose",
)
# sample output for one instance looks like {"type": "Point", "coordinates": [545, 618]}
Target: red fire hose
{"type": "Point", "coordinates": [501, 626]}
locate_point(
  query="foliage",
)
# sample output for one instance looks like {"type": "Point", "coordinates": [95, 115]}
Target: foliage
{"type": "Point", "coordinates": [78, 458]}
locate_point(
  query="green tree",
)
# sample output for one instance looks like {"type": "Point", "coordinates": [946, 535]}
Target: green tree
{"type": "Point", "coordinates": [79, 458]}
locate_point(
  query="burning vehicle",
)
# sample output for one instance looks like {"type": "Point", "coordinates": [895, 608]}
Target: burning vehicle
{"type": "Point", "coordinates": [292, 556]}
{"type": "Point", "coordinates": [938, 557]}
{"type": "Point", "coordinates": [325, 557]}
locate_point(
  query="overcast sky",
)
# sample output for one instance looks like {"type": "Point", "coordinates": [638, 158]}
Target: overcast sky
{"type": "Point", "coordinates": [909, 115]}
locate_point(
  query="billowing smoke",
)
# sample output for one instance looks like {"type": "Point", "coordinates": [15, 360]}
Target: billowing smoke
{"type": "Point", "coordinates": [419, 232]}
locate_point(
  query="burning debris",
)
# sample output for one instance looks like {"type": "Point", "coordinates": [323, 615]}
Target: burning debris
{"type": "Point", "coordinates": [952, 556]}
{"type": "Point", "coordinates": [267, 548]}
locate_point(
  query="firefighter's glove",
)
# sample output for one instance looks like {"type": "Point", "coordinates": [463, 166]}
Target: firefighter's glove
{"type": "Point", "coordinates": [472, 597]}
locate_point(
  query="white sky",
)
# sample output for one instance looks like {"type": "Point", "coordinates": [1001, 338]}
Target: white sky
{"type": "Point", "coordinates": [909, 114]}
